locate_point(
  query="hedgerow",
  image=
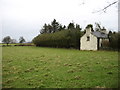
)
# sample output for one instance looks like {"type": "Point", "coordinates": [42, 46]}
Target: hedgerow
{"type": "Point", "coordinates": [60, 39]}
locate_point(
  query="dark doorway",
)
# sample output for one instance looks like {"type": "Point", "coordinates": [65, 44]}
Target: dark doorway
{"type": "Point", "coordinates": [98, 41]}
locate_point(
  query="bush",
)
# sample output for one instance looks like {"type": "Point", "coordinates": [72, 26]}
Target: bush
{"type": "Point", "coordinates": [62, 39]}
{"type": "Point", "coordinates": [115, 40]}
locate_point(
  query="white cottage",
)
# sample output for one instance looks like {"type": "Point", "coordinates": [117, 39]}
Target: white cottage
{"type": "Point", "coordinates": [92, 40]}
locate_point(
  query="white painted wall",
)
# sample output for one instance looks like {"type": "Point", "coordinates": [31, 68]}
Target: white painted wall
{"type": "Point", "coordinates": [100, 42]}
{"type": "Point", "coordinates": [88, 45]}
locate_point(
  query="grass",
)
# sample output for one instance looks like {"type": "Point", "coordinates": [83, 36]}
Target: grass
{"type": "Point", "coordinates": [8, 44]}
{"type": "Point", "coordinates": [37, 67]}
{"type": "Point", "coordinates": [13, 44]}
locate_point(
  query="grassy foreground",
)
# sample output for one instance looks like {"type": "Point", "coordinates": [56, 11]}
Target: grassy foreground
{"type": "Point", "coordinates": [36, 67]}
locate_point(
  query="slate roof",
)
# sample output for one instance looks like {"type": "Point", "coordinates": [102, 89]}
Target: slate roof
{"type": "Point", "coordinates": [100, 34]}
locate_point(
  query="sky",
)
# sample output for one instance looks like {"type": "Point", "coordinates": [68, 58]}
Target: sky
{"type": "Point", "coordinates": [26, 17]}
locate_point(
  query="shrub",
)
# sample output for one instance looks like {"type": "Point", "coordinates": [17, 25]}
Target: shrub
{"type": "Point", "coordinates": [115, 40]}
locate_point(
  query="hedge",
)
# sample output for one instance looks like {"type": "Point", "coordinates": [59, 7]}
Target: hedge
{"type": "Point", "coordinates": [60, 39]}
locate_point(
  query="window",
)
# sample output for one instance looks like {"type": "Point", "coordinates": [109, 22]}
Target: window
{"type": "Point", "coordinates": [88, 38]}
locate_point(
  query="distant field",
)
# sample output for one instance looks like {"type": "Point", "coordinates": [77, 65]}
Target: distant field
{"type": "Point", "coordinates": [13, 44]}
{"type": "Point", "coordinates": [8, 44]}
{"type": "Point", "coordinates": [37, 67]}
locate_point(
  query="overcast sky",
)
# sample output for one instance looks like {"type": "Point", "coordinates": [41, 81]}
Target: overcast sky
{"type": "Point", "coordinates": [26, 17]}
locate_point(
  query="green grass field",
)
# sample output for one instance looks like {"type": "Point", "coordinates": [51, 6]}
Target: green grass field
{"type": "Point", "coordinates": [37, 67]}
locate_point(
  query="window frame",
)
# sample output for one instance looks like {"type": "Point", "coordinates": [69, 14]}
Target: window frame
{"type": "Point", "coordinates": [88, 38]}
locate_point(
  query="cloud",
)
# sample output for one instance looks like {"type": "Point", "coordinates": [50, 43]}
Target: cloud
{"type": "Point", "coordinates": [26, 17]}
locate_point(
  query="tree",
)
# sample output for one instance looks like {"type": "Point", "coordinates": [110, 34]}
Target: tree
{"type": "Point", "coordinates": [21, 40]}
{"type": "Point", "coordinates": [55, 26]}
{"type": "Point", "coordinates": [114, 38]}
{"type": "Point", "coordinates": [90, 25]}
{"type": "Point", "coordinates": [98, 27]}
{"type": "Point", "coordinates": [61, 27]}
{"type": "Point", "coordinates": [44, 29]}
{"type": "Point", "coordinates": [49, 27]}
{"type": "Point", "coordinates": [78, 27]}
{"type": "Point", "coordinates": [106, 7]}
{"type": "Point", "coordinates": [6, 40]}
{"type": "Point", "coordinates": [64, 27]}
{"type": "Point", "coordinates": [109, 34]}
{"type": "Point", "coordinates": [71, 26]}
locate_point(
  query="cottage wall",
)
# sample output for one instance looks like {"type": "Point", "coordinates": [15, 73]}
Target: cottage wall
{"type": "Point", "coordinates": [88, 44]}
{"type": "Point", "coordinates": [100, 42]}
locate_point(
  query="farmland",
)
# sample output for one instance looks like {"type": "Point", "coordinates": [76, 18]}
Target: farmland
{"type": "Point", "coordinates": [38, 67]}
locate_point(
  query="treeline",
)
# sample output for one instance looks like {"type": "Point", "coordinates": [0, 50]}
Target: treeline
{"type": "Point", "coordinates": [56, 35]}
{"type": "Point", "coordinates": [7, 40]}
{"type": "Point", "coordinates": [56, 26]}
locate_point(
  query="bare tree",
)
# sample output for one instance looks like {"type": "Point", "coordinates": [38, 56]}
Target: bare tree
{"type": "Point", "coordinates": [106, 7]}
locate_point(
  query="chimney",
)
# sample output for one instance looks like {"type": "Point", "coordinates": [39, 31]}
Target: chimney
{"type": "Point", "coordinates": [88, 30]}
